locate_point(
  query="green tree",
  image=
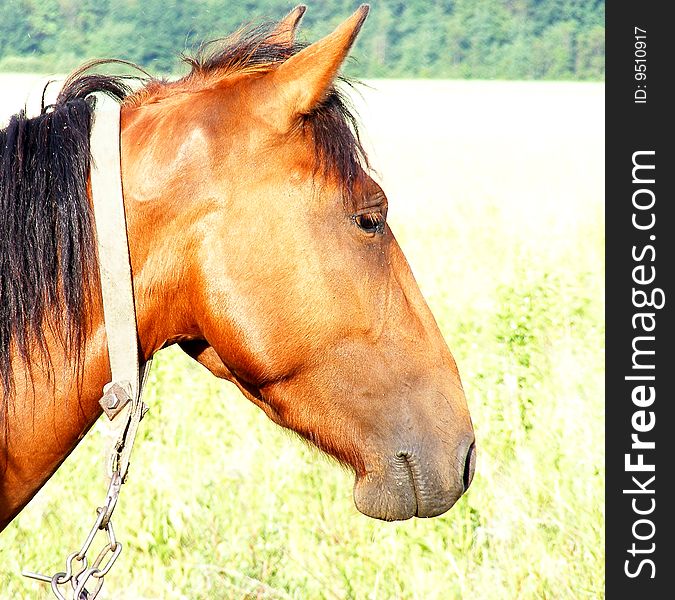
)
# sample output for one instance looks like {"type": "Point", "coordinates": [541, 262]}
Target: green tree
{"type": "Point", "coordinates": [512, 39]}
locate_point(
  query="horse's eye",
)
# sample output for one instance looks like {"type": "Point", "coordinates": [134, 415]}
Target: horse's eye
{"type": "Point", "coordinates": [370, 222]}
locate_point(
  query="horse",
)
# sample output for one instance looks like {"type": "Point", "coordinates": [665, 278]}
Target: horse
{"type": "Point", "coordinates": [258, 242]}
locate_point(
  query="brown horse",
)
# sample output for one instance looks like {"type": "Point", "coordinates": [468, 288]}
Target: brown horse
{"type": "Point", "coordinates": [258, 242]}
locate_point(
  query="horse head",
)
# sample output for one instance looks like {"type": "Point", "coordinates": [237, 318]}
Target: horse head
{"type": "Point", "coordinates": [247, 188]}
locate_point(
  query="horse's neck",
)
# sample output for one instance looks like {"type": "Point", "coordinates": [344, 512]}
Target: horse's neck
{"type": "Point", "coordinates": [53, 406]}
{"type": "Point", "coordinates": [50, 410]}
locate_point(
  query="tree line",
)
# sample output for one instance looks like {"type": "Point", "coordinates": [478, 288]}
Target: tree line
{"type": "Point", "coordinates": [479, 39]}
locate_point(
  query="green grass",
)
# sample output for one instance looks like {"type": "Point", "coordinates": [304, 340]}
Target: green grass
{"type": "Point", "coordinates": [221, 503]}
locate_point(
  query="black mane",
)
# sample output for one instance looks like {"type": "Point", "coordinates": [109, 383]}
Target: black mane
{"type": "Point", "coordinates": [47, 240]}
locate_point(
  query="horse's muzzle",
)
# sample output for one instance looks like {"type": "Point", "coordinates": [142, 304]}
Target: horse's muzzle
{"type": "Point", "coordinates": [416, 483]}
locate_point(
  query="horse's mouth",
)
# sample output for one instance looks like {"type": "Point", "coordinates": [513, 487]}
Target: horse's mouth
{"type": "Point", "coordinates": [409, 487]}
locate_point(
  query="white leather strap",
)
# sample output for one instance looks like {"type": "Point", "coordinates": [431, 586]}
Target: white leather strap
{"type": "Point", "coordinates": [113, 246]}
{"type": "Point", "coordinates": [122, 399]}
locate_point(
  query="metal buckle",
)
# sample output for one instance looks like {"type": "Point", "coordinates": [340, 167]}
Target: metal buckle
{"type": "Point", "coordinates": [116, 395]}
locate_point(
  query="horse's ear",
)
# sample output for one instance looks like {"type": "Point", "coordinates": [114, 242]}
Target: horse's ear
{"type": "Point", "coordinates": [303, 80]}
{"type": "Point", "coordinates": [284, 32]}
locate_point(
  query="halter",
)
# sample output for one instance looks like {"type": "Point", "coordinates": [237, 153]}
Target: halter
{"type": "Point", "coordinates": [121, 399]}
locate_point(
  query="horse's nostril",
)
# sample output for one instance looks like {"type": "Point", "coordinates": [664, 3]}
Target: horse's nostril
{"type": "Point", "coordinates": [469, 466]}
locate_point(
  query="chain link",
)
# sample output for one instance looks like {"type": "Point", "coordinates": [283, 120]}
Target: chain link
{"type": "Point", "coordinates": [80, 575]}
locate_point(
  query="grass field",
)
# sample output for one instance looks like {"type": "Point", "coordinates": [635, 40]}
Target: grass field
{"type": "Point", "coordinates": [496, 194]}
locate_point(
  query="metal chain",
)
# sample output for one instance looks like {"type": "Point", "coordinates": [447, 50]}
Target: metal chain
{"type": "Point", "coordinates": [81, 574]}
{"type": "Point", "coordinates": [127, 428]}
